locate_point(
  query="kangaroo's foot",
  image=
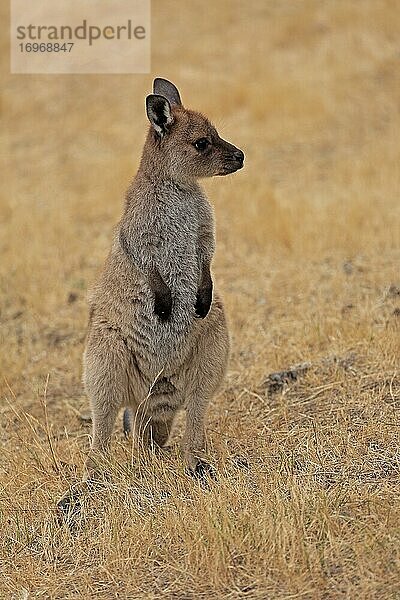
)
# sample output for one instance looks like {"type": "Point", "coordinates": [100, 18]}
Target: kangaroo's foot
{"type": "Point", "coordinates": [202, 470]}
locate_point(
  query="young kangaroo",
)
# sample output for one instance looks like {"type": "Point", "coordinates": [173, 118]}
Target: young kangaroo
{"type": "Point", "coordinates": [157, 339]}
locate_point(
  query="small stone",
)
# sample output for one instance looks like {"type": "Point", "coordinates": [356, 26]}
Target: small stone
{"type": "Point", "coordinates": [348, 267]}
{"type": "Point", "coordinates": [276, 381]}
{"type": "Point", "coordinates": [86, 417]}
{"type": "Point", "coordinates": [72, 297]}
{"type": "Point", "coordinates": [393, 291]}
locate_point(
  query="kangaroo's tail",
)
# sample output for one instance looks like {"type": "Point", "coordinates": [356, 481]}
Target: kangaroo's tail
{"type": "Point", "coordinates": [126, 422]}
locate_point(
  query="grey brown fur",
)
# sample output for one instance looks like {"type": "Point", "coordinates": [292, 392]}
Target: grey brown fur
{"type": "Point", "coordinates": [157, 338]}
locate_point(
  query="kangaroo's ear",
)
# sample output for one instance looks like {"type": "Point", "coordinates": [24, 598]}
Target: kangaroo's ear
{"type": "Point", "coordinates": [159, 113]}
{"type": "Point", "coordinates": [165, 88]}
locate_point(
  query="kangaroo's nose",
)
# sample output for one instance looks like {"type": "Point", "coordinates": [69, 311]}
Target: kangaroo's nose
{"type": "Point", "coordinates": [238, 154]}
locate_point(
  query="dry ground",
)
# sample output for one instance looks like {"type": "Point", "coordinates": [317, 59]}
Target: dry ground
{"type": "Point", "coordinates": [307, 502]}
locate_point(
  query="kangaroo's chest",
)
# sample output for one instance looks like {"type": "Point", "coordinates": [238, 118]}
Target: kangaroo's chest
{"type": "Point", "coordinates": [180, 229]}
{"type": "Point", "coordinates": [179, 236]}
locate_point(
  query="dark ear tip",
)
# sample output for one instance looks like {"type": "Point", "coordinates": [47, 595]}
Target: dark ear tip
{"type": "Point", "coordinates": [161, 80]}
{"type": "Point", "coordinates": [167, 89]}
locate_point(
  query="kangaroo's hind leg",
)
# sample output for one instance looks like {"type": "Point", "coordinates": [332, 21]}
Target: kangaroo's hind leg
{"type": "Point", "coordinates": [203, 374]}
{"type": "Point", "coordinates": [106, 363]}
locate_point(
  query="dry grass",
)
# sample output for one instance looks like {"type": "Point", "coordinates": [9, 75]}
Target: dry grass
{"type": "Point", "coordinates": [307, 501]}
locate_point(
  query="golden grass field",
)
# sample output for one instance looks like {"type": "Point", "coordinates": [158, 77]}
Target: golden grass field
{"type": "Point", "coordinates": [307, 503]}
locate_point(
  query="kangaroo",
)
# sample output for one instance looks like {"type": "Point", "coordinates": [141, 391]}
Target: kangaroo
{"type": "Point", "coordinates": [157, 338]}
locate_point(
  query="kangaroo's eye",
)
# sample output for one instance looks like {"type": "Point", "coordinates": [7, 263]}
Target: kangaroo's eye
{"type": "Point", "coordinates": [201, 144]}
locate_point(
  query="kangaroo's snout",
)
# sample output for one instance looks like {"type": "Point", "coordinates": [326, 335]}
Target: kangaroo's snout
{"type": "Point", "coordinates": [233, 158]}
{"type": "Point", "coordinates": [237, 158]}
{"type": "Point", "coordinates": [239, 155]}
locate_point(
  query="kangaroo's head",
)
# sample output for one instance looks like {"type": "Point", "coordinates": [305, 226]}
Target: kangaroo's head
{"type": "Point", "coordinates": [184, 141]}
